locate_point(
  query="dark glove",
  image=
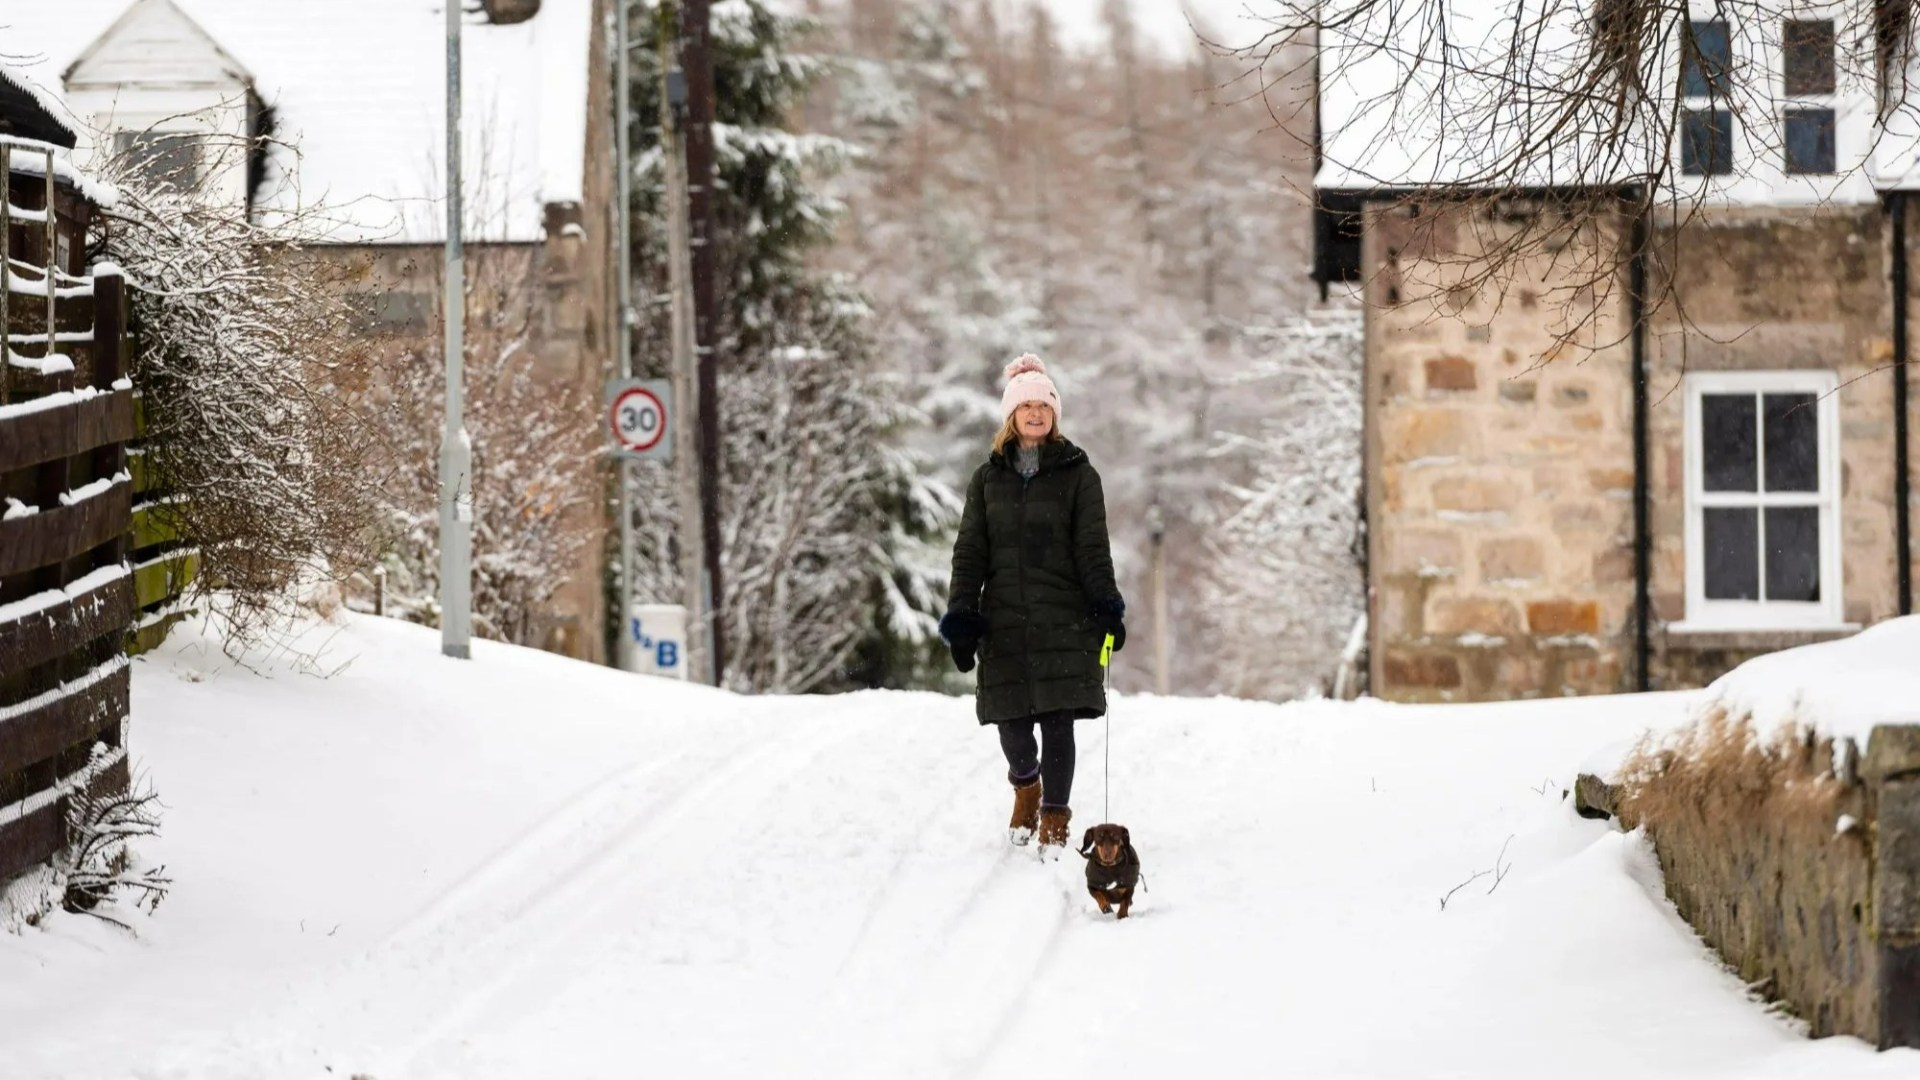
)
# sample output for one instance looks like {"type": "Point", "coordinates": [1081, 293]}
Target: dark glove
{"type": "Point", "coordinates": [962, 631]}
{"type": "Point", "coordinates": [1110, 615]}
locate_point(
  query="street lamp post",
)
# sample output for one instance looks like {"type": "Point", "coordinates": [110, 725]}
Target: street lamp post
{"type": "Point", "coordinates": [456, 449]}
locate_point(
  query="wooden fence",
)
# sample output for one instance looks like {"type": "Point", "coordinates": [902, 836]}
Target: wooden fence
{"type": "Point", "coordinates": [69, 597]}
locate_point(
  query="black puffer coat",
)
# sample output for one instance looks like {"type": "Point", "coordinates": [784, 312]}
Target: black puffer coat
{"type": "Point", "coordinates": [1032, 557]}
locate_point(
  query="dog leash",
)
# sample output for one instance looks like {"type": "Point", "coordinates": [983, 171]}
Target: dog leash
{"type": "Point", "coordinates": [1106, 748]}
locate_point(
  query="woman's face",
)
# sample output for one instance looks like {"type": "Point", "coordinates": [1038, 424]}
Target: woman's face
{"type": "Point", "coordinates": [1034, 420]}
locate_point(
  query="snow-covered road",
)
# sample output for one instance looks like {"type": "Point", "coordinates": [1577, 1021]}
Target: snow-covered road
{"type": "Point", "coordinates": [523, 867]}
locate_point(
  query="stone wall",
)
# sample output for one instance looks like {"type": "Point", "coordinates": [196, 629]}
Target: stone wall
{"type": "Point", "coordinates": [1759, 290]}
{"type": "Point", "coordinates": [1800, 868]}
{"type": "Point", "coordinates": [1500, 465]}
{"type": "Point", "coordinates": [1499, 438]}
{"type": "Point", "coordinates": [398, 294]}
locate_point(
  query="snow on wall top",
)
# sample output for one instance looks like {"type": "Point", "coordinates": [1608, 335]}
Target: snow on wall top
{"type": "Point", "coordinates": [358, 89]}
{"type": "Point", "coordinates": [1839, 688]}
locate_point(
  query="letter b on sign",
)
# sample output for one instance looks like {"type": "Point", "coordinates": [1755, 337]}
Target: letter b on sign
{"type": "Point", "coordinates": [657, 640]}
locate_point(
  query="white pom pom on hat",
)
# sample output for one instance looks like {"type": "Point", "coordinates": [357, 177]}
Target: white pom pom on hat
{"type": "Point", "coordinates": [1027, 381]}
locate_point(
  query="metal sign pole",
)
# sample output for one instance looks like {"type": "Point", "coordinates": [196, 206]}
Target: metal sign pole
{"type": "Point", "coordinates": [623, 312]}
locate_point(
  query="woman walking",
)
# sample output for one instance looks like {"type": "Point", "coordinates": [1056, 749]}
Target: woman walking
{"type": "Point", "coordinates": [1033, 596]}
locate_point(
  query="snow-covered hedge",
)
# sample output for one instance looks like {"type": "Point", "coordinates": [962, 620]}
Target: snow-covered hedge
{"type": "Point", "coordinates": [243, 352]}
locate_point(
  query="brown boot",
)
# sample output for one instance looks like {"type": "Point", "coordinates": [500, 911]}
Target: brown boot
{"type": "Point", "coordinates": [1026, 811]}
{"type": "Point", "coordinates": [1053, 825]}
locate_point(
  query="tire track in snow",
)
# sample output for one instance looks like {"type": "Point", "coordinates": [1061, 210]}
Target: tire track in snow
{"type": "Point", "coordinates": [989, 1044]}
{"type": "Point", "coordinates": [470, 942]}
{"type": "Point", "coordinates": [590, 876]}
{"type": "Point", "coordinates": [608, 808]}
{"type": "Point", "coordinates": [886, 897]}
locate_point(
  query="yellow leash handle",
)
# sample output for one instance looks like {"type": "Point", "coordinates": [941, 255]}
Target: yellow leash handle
{"type": "Point", "coordinates": [1106, 650]}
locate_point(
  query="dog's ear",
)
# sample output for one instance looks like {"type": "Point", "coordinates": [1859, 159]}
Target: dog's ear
{"type": "Point", "coordinates": [1126, 838]}
{"type": "Point", "coordinates": [1086, 841]}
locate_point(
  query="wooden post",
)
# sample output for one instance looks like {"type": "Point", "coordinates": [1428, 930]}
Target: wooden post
{"type": "Point", "coordinates": [109, 365]}
{"type": "Point", "coordinates": [53, 247]}
{"type": "Point", "coordinates": [6, 270]}
{"type": "Point", "coordinates": [109, 327]}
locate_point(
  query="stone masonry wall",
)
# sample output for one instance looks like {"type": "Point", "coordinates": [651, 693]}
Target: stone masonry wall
{"type": "Point", "coordinates": [1773, 290]}
{"type": "Point", "coordinates": [1800, 869]}
{"type": "Point", "coordinates": [1500, 467]}
{"type": "Point", "coordinates": [1500, 454]}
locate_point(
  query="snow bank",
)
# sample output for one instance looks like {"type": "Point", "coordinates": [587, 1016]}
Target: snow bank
{"type": "Point", "coordinates": [1841, 689]}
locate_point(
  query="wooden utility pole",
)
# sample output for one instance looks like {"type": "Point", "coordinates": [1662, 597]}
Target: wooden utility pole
{"type": "Point", "coordinates": [686, 394]}
{"type": "Point", "coordinates": [696, 59]}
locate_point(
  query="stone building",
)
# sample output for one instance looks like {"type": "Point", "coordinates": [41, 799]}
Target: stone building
{"type": "Point", "coordinates": [335, 112]}
{"type": "Point", "coordinates": [1615, 465]}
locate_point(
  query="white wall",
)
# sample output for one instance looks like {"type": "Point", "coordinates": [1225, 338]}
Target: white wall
{"type": "Point", "coordinates": [157, 71]}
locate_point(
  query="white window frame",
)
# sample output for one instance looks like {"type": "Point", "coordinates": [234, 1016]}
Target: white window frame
{"type": "Point", "coordinates": [1787, 103]}
{"type": "Point", "coordinates": [1726, 105]}
{"type": "Point", "coordinates": [1705, 615]}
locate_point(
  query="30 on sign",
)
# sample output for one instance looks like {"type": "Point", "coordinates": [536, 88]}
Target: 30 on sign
{"type": "Point", "coordinates": [637, 414]}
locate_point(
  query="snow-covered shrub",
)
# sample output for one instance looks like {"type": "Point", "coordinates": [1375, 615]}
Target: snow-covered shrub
{"type": "Point", "coordinates": [243, 351]}
{"type": "Point", "coordinates": [98, 861]}
{"type": "Point", "coordinates": [531, 452]}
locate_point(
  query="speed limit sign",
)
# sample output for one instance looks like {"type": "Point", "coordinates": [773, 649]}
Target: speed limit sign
{"type": "Point", "coordinates": [637, 416]}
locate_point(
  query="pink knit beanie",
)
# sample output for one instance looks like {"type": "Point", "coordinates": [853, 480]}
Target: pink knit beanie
{"type": "Point", "coordinates": [1027, 381]}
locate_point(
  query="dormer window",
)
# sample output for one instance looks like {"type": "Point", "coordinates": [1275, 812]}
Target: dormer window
{"type": "Point", "coordinates": [1706, 125]}
{"type": "Point", "coordinates": [1808, 83]}
{"type": "Point", "coordinates": [164, 160]}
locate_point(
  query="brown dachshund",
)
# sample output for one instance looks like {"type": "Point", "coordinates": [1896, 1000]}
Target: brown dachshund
{"type": "Point", "coordinates": [1113, 867]}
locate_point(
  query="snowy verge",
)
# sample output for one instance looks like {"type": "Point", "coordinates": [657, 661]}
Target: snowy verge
{"type": "Point", "coordinates": [524, 866]}
{"type": "Point", "coordinates": [1838, 689]}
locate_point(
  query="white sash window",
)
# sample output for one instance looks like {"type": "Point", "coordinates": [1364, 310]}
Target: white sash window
{"type": "Point", "coordinates": [1763, 492]}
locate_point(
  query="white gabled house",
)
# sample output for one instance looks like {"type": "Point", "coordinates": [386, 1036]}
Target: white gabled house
{"type": "Point", "coordinates": [155, 84]}
{"type": "Point", "coordinates": [332, 115]}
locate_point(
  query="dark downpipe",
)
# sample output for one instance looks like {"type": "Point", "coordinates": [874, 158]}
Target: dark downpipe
{"type": "Point", "coordinates": [1902, 478]}
{"type": "Point", "coordinates": [1642, 539]}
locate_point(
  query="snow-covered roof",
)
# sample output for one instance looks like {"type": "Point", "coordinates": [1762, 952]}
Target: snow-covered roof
{"type": "Point", "coordinates": [1164, 28]}
{"type": "Point", "coordinates": [49, 121]}
{"type": "Point", "coordinates": [1418, 94]}
{"type": "Point", "coordinates": [358, 88]}
{"type": "Point", "coordinates": [1414, 94]}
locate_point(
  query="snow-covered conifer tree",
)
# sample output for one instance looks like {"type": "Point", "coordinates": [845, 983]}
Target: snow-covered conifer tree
{"type": "Point", "coordinates": [819, 558]}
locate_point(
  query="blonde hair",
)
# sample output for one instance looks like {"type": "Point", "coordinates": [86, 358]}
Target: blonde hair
{"type": "Point", "coordinates": [1009, 433]}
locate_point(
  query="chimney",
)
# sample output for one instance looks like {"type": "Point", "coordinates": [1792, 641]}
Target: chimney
{"type": "Point", "coordinates": [508, 12]}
